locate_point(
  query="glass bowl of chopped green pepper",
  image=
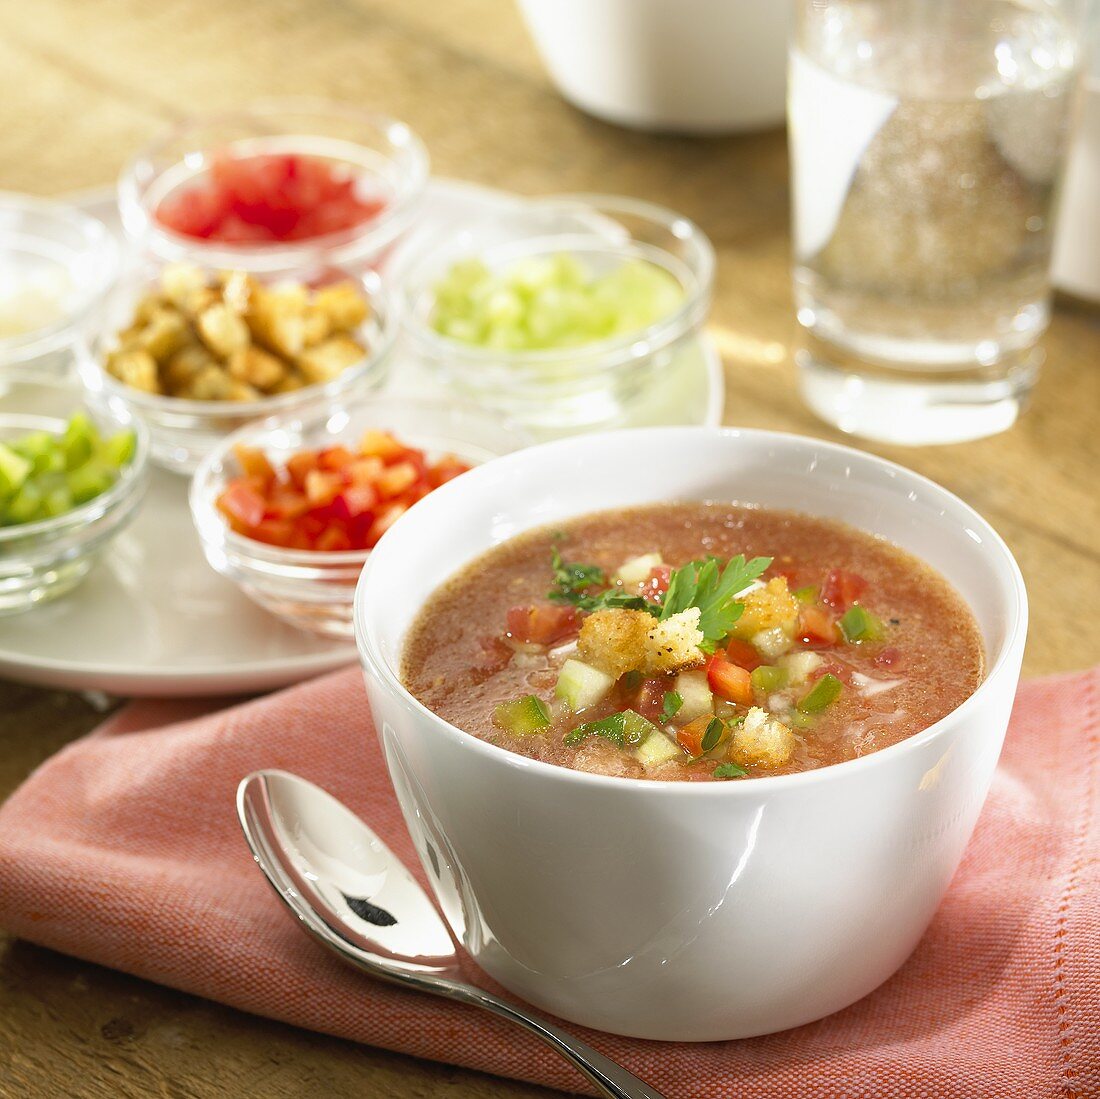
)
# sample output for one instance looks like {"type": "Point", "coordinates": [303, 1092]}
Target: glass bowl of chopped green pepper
{"type": "Point", "coordinates": [71, 479]}
{"type": "Point", "coordinates": [560, 311]}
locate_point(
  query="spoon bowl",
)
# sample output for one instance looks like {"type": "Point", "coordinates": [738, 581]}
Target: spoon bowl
{"type": "Point", "coordinates": [331, 869]}
{"type": "Point", "coordinates": [354, 896]}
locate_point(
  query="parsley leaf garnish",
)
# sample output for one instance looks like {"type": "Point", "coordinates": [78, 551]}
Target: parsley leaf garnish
{"type": "Point", "coordinates": [728, 770]}
{"type": "Point", "coordinates": [573, 580]}
{"type": "Point", "coordinates": [670, 705]}
{"type": "Point", "coordinates": [703, 584]}
{"type": "Point", "coordinates": [712, 735]}
{"type": "Point", "coordinates": [706, 585]}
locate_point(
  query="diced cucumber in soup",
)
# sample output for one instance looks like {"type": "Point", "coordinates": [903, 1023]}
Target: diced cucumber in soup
{"type": "Point", "coordinates": [580, 685]}
{"type": "Point", "coordinates": [771, 643]}
{"type": "Point", "coordinates": [800, 666]}
{"type": "Point", "coordinates": [657, 748]}
{"type": "Point", "coordinates": [637, 569]}
{"type": "Point", "coordinates": [697, 698]}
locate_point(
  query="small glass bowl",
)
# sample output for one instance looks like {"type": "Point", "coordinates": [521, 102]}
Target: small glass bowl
{"type": "Point", "coordinates": [43, 560]}
{"type": "Point", "coordinates": [391, 158]}
{"type": "Point", "coordinates": [56, 264]}
{"type": "Point", "coordinates": [183, 430]}
{"type": "Point", "coordinates": [312, 589]}
{"type": "Point", "coordinates": [576, 387]}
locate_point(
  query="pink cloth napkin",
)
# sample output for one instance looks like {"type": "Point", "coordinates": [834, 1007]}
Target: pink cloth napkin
{"type": "Point", "coordinates": [124, 849]}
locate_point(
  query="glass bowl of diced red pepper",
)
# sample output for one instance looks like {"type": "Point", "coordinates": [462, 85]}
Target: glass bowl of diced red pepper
{"type": "Point", "coordinates": [264, 187]}
{"type": "Point", "coordinates": [290, 508]}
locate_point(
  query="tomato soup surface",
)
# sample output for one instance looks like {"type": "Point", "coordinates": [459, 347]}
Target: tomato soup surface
{"type": "Point", "coordinates": [698, 642]}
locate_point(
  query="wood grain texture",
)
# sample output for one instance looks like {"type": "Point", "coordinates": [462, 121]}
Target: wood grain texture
{"type": "Point", "coordinates": [81, 85]}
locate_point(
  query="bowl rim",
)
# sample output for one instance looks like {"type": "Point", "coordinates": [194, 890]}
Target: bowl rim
{"type": "Point", "coordinates": [373, 663]}
{"type": "Point", "coordinates": [91, 368]}
{"type": "Point", "coordinates": [138, 173]}
{"type": "Point", "coordinates": [204, 513]}
{"type": "Point", "coordinates": [629, 345]}
{"type": "Point", "coordinates": [130, 479]}
{"type": "Point", "coordinates": [100, 243]}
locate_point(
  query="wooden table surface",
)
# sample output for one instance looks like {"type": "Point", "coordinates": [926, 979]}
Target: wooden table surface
{"type": "Point", "coordinates": [81, 85]}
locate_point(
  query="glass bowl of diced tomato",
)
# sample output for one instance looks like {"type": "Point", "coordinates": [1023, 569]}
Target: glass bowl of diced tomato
{"type": "Point", "coordinates": [290, 508]}
{"type": "Point", "coordinates": [263, 187]}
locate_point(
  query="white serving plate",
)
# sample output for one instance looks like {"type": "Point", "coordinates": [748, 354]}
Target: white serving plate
{"type": "Point", "coordinates": [153, 619]}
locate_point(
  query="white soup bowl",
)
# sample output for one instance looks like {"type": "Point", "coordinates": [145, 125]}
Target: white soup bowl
{"type": "Point", "coordinates": [688, 911]}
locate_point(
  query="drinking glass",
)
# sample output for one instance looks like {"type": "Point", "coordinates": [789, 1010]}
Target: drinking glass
{"type": "Point", "coordinates": [927, 144]}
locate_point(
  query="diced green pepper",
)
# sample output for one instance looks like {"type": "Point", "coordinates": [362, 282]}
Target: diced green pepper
{"type": "Point", "coordinates": [859, 624]}
{"type": "Point", "coordinates": [119, 449]}
{"type": "Point", "coordinates": [14, 470]}
{"type": "Point", "coordinates": [79, 440]}
{"type": "Point", "coordinates": [767, 678]}
{"type": "Point", "coordinates": [25, 506]}
{"type": "Point", "coordinates": [823, 693]}
{"type": "Point", "coordinates": [44, 475]}
{"type": "Point", "coordinates": [796, 719]}
{"type": "Point", "coordinates": [89, 481]}
{"type": "Point", "coordinates": [41, 449]}
{"type": "Point", "coordinates": [523, 716]}
{"type": "Point", "coordinates": [57, 501]}
{"type": "Point", "coordinates": [807, 594]}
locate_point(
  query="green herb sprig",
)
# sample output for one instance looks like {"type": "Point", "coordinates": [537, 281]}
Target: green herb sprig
{"type": "Point", "coordinates": [704, 584]}
{"type": "Point", "coordinates": [729, 770]}
{"type": "Point", "coordinates": [573, 580]}
{"type": "Point", "coordinates": [670, 705]}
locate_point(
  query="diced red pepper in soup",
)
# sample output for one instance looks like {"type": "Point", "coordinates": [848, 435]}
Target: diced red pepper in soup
{"type": "Point", "coordinates": [743, 654]}
{"type": "Point", "coordinates": [841, 589]}
{"type": "Point", "coordinates": [728, 681]}
{"type": "Point", "coordinates": [815, 627]}
{"type": "Point", "coordinates": [542, 624]}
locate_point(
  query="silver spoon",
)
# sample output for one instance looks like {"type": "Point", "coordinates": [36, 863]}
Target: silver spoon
{"type": "Point", "coordinates": [353, 895]}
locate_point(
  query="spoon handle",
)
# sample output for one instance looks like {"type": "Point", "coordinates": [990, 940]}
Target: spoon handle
{"type": "Point", "coordinates": [612, 1079]}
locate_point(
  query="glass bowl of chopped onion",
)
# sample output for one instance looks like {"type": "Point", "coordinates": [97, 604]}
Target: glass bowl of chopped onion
{"type": "Point", "coordinates": [56, 264]}
{"type": "Point", "coordinates": [560, 311]}
{"type": "Point", "coordinates": [198, 354]}
{"type": "Point", "coordinates": [275, 184]}
{"type": "Point", "coordinates": [290, 508]}
{"type": "Point", "coordinates": [71, 479]}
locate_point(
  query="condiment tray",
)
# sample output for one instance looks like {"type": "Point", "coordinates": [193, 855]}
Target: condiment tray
{"type": "Point", "coordinates": [153, 619]}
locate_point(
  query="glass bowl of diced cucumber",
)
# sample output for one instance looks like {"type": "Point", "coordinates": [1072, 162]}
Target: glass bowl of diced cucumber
{"type": "Point", "coordinates": [71, 479]}
{"type": "Point", "coordinates": [557, 312]}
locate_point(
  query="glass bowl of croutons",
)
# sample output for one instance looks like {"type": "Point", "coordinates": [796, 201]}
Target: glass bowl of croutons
{"type": "Point", "coordinates": [270, 185]}
{"type": "Point", "coordinates": [290, 508]}
{"type": "Point", "coordinates": [198, 354]}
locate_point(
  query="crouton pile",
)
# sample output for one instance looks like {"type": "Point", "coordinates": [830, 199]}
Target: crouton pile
{"type": "Point", "coordinates": [235, 339]}
{"type": "Point", "coordinates": [761, 740]}
{"type": "Point", "coordinates": [619, 641]}
{"type": "Point", "coordinates": [769, 607]}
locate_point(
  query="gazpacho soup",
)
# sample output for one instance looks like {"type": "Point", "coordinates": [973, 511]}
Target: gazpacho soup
{"type": "Point", "coordinates": [698, 642]}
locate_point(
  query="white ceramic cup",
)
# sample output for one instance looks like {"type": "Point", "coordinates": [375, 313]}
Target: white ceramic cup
{"type": "Point", "coordinates": [688, 911]}
{"type": "Point", "coordinates": [695, 66]}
